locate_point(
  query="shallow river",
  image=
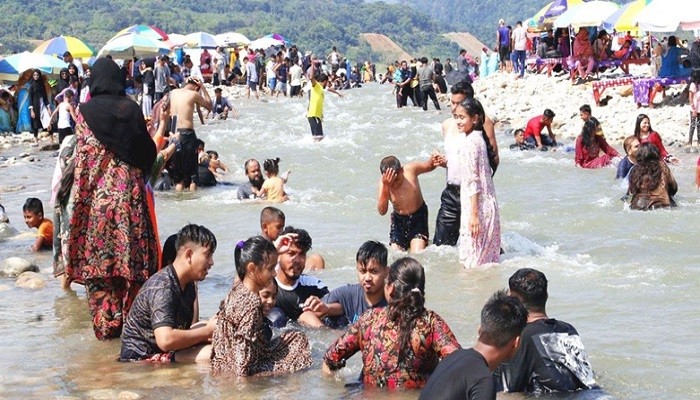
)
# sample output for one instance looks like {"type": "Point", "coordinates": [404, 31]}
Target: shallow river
{"type": "Point", "coordinates": [626, 280]}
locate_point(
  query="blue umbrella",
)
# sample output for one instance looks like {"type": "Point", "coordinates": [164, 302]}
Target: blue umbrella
{"type": "Point", "coordinates": [13, 66]}
{"type": "Point", "coordinates": [558, 7]}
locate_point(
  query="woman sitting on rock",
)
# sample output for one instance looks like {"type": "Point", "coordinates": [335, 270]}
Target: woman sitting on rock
{"type": "Point", "coordinates": [651, 183]}
{"type": "Point", "coordinates": [590, 143]}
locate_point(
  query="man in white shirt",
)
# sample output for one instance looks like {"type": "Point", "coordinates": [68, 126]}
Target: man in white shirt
{"type": "Point", "coordinates": [519, 45]}
{"type": "Point", "coordinates": [295, 73]}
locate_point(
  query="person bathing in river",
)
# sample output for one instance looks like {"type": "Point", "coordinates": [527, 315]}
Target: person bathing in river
{"type": "Point", "coordinates": [273, 188]}
{"type": "Point", "coordinates": [520, 143]}
{"type": "Point", "coordinates": [590, 143]}
{"type": "Point", "coordinates": [272, 221]}
{"type": "Point", "coordinates": [646, 134]}
{"type": "Point", "coordinates": [400, 186]}
{"type": "Point", "coordinates": [651, 182]}
{"type": "Point", "coordinates": [631, 145]}
{"type": "Point", "coordinates": [534, 128]}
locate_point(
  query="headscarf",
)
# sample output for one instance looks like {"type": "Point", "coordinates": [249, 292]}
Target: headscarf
{"type": "Point", "coordinates": [62, 83]}
{"type": "Point", "coordinates": [116, 120]}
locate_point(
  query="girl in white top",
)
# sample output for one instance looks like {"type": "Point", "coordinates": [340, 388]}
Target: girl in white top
{"type": "Point", "coordinates": [65, 112]}
{"type": "Point", "coordinates": [694, 101]}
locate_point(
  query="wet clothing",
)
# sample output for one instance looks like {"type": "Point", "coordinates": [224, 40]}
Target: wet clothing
{"type": "Point", "coordinates": [655, 139]}
{"type": "Point", "coordinates": [375, 334]}
{"type": "Point", "coordinates": [551, 358]}
{"type": "Point", "coordinates": [352, 298]}
{"type": "Point", "coordinates": [404, 228]}
{"type": "Point", "coordinates": [239, 344]}
{"type": "Point", "coordinates": [289, 297]}
{"type": "Point", "coordinates": [219, 105]}
{"type": "Point", "coordinates": [245, 191]}
{"type": "Point", "coordinates": [623, 168]}
{"type": "Point", "coordinates": [658, 197]}
{"type": "Point", "coordinates": [184, 161]}
{"type": "Point", "coordinates": [534, 129]}
{"type": "Point", "coordinates": [205, 177]}
{"type": "Point", "coordinates": [160, 302]}
{"type": "Point", "coordinates": [448, 218]}
{"type": "Point", "coordinates": [588, 156]}
{"type": "Point", "coordinates": [462, 375]}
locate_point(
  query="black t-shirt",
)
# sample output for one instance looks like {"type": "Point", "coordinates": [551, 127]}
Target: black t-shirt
{"type": "Point", "coordinates": [352, 298]}
{"type": "Point", "coordinates": [464, 374]}
{"type": "Point", "coordinates": [549, 41]}
{"type": "Point", "coordinates": [551, 358]}
{"type": "Point", "coordinates": [159, 303]}
{"type": "Point", "coordinates": [289, 297]}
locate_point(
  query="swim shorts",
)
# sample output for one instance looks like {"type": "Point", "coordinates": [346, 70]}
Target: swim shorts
{"type": "Point", "coordinates": [504, 53]}
{"type": "Point", "coordinates": [316, 126]}
{"type": "Point", "coordinates": [253, 86]}
{"type": "Point", "coordinates": [185, 159]}
{"type": "Point", "coordinates": [405, 228]}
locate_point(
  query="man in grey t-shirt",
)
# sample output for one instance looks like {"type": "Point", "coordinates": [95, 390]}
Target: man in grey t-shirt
{"type": "Point", "coordinates": [162, 76]}
{"type": "Point", "coordinates": [353, 300]}
{"type": "Point", "coordinates": [425, 81]}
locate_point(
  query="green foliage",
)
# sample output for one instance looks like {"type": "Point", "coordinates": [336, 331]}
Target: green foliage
{"type": "Point", "coordinates": [316, 25]}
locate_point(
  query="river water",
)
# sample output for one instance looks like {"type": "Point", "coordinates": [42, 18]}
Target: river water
{"type": "Point", "coordinates": [626, 280]}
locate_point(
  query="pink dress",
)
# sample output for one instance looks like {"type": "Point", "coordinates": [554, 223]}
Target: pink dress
{"type": "Point", "coordinates": [476, 178]}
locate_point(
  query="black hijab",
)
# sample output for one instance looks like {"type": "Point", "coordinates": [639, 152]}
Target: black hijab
{"type": "Point", "coordinates": [62, 83]}
{"type": "Point", "coordinates": [116, 120]}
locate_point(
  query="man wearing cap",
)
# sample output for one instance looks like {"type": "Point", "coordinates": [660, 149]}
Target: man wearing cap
{"type": "Point", "coordinates": [162, 75]}
{"type": "Point", "coordinates": [533, 131]}
{"type": "Point", "coordinates": [68, 58]}
{"type": "Point", "coordinates": [503, 41]}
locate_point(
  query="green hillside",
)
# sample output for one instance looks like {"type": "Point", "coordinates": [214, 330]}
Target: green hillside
{"type": "Point", "coordinates": [315, 24]}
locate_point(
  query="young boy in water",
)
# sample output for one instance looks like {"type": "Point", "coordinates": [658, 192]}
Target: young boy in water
{"type": "Point", "coordinates": [34, 218]}
{"type": "Point", "coordinates": [272, 222]}
{"type": "Point", "coordinates": [399, 185]}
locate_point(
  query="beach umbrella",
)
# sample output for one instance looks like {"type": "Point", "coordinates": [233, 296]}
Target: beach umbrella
{"type": "Point", "coordinates": [559, 7]}
{"type": "Point", "coordinates": [265, 43]}
{"type": "Point", "coordinates": [13, 66]}
{"type": "Point", "coordinates": [133, 45]}
{"type": "Point", "coordinates": [151, 31]}
{"type": "Point", "coordinates": [669, 15]}
{"type": "Point", "coordinates": [175, 40]}
{"type": "Point", "coordinates": [624, 19]}
{"type": "Point", "coordinates": [538, 21]}
{"type": "Point", "coordinates": [592, 13]}
{"type": "Point", "coordinates": [232, 39]}
{"type": "Point", "coordinates": [59, 45]}
{"type": "Point", "coordinates": [202, 40]}
{"type": "Point", "coordinates": [277, 36]}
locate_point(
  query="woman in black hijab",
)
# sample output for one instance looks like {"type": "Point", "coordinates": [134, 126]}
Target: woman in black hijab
{"type": "Point", "coordinates": [38, 100]}
{"type": "Point", "coordinates": [63, 81]}
{"type": "Point", "coordinates": [112, 246]}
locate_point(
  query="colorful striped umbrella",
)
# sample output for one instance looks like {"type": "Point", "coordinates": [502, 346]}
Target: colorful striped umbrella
{"type": "Point", "coordinates": [133, 45]}
{"type": "Point", "coordinates": [152, 32]}
{"type": "Point", "coordinates": [591, 13]}
{"type": "Point", "coordinates": [13, 66]}
{"type": "Point", "coordinates": [624, 19]}
{"type": "Point", "coordinates": [559, 7]}
{"type": "Point", "coordinates": [538, 21]}
{"type": "Point", "coordinates": [59, 45]}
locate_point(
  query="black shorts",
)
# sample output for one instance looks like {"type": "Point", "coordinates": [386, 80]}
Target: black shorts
{"type": "Point", "coordinates": [316, 126]}
{"type": "Point", "coordinates": [295, 90]}
{"type": "Point", "coordinates": [504, 52]}
{"type": "Point", "coordinates": [184, 167]}
{"type": "Point", "coordinates": [405, 228]}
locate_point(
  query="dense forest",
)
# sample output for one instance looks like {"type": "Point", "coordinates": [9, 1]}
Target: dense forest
{"type": "Point", "coordinates": [313, 24]}
{"type": "Point", "coordinates": [479, 17]}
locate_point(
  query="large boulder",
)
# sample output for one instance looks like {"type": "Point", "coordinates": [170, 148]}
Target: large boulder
{"type": "Point", "coordinates": [30, 280]}
{"type": "Point", "coordinates": [15, 266]}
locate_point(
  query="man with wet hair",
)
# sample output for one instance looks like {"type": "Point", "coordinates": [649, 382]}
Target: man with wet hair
{"type": "Point", "coordinates": [467, 373]}
{"type": "Point", "coordinates": [352, 300]}
{"type": "Point", "coordinates": [448, 218]}
{"type": "Point", "coordinates": [293, 287]}
{"type": "Point", "coordinates": [534, 128]}
{"type": "Point", "coordinates": [162, 325]}
{"type": "Point", "coordinates": [400, 186]}
{"type": "Point", "coordinates": [250, 189]}
{"type": "Point", "coordinates": [551, 357]}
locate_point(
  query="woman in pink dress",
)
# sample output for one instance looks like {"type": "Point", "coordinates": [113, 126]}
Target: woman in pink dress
{"type": "Point", "coordinates": [480, 230]}
{"type": "Point", "coordinates": [590, 143]}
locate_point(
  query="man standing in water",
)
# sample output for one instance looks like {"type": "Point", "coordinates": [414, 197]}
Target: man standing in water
{"type": "Point", "coordinates": [551, 357]}
{"type": "Point", "coordinates": [317, 95]}
{"type": "Point", "coordinates": [447, 223]}
{"type": "Point", "coordinates": [183, 102]}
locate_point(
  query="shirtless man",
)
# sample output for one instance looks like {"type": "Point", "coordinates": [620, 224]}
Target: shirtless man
{"type": "Point", "coordinates": [183, 102]}
{"type": "Point", "coordinates": [447, 223]}
{"type": "Point", "coordinates": [409, 220]}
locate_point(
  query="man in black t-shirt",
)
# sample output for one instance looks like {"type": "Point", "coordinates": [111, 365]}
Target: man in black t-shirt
{"type": "Point", "coordinates": [159, 325]}
{"type": "Point", "coordinates": [293, 287]}
{"type": "Point", "coordinates": [351, 301]}
{"type": "Point", "coordinates": [467, 373]}
{"type": "Point", "coordinates": [551, 357]}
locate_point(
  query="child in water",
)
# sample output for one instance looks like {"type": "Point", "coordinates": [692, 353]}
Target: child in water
{"type": "Point", "coordinates": [239, 344]}
{"type": "Point", "coordinates": [273, 187]}
{"type": "Point", "coordinates": [34, 217]}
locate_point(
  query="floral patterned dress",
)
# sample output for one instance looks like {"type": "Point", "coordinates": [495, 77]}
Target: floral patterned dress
{"type": "Point", "coordinates": [476, 178]}
{"type": "Point", "coordinates": [377, 338]}
{"type": "Point", "coordinates": [239, 344]}
{"type": "Point", "coordinates": [111, 246]}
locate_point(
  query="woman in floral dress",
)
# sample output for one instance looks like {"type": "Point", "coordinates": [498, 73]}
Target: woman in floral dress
{"type": "Point", "coordinates": [111, 246]}
{"type": "Point", "coordinates": [402, 343]}
{"type": "Point", "coordinates": [480, 230]}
